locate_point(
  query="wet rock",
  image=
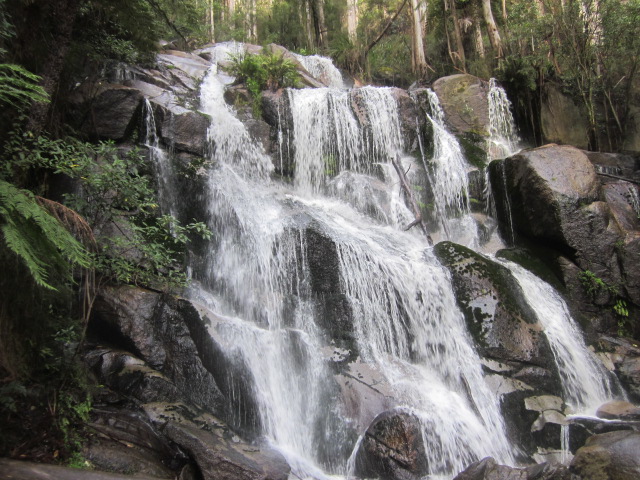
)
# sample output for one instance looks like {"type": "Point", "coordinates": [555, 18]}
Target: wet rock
{"type": "Point", "coordinates": [152, 327]}
{"type": "Point", "coordinates": [497, 314]}
{"type": "Point", "coordinates": [543, 402]}
{"type": "Point", "coordinates": [610, 456]}
{"type": "Point", "coordinates": [547, 429]}
{"type": "Point", "coordinates": [412, 119]}
{"type": "Point", "coordinates": [489, 469]}
{"type": "Point", "coordinates": [109, 112]}
{"type": "Point", "coordinates": [464, 101]}
{"type": "Point", "coordinates": [185, 130]}
{"type": "Point", "coordinates": [392, 448]}
{"type": "Point", "coordinates": [625, 356]}
{"type": "Point", "coordinates": [618, 410]}
{"type": "Point", "coordinates": [219, 453]}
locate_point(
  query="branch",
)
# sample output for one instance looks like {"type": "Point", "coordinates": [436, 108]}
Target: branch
{"type": "Point", "coordinates": [159, 9]}
{"type": "Point", "coordinates": [414, 205]}
{"type": "Point", "coordinates": [384, 31]}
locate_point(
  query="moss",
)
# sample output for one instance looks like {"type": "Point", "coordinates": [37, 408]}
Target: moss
{"type": "Point", "coordinates": [473, 148]}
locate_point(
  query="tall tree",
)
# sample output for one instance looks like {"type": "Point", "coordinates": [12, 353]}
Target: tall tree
{"type": "Point", "coordinates": [352, 20]}
{"type": "Point", "coordinates": [457, 56]}
{"type": "Point", "coordinates": [492, 29]}
{"type": "Point", "coordinates": [418, 16]}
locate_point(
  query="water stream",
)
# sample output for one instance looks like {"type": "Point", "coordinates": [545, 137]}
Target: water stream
{"type": "Point", "coordinates": [405, 325]}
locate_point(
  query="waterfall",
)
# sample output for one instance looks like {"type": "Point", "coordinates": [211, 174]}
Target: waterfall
{"type": "Point", "coordinates": [323, 69]}
{"type": "Point", "coordinates": [585, 382]}
{"type": "Point", "coordinates": [258, 281]}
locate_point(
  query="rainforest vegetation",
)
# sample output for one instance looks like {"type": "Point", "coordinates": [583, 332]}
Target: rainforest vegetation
{"type": "Point", "coordinates": [63, 194]}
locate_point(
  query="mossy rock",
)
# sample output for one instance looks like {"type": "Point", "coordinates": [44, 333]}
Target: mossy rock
{"type": "Point", "coordinates": [498, 317]}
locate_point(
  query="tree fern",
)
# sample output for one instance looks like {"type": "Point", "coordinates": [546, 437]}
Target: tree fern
{"type": "Point", "coordinates": [19, 87]}
{"type": "Point", "coordinates": [41, 241]}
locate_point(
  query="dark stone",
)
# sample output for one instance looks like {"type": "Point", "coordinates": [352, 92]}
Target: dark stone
{"type": "Point", "coordinates": [618, 410]}
{"type": "Point", "coordinates": [152, 326]}
{"type": "Point", "coordinates": [38, 471]}
{"type": "Point", "coordinates": [185, 131]}
{"type": "Point", "coordinates": [610, 456]}
{"type": "Point", "coordinates": [392, 448]}
{"type": "Point", "coordinates": [111, 114]}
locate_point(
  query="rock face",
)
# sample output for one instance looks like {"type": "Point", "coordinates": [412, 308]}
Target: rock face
{"type": "Point", "coordinates": [561, 119]}
{"type": "Point", "coordinates": [489, 469]}
{"type": "Point", "coordinates": [392, 448]}
{"type": "Point", "coordinates": [610, 456]}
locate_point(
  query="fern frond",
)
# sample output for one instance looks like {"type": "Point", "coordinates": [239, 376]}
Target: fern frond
{"type": "Point", "coordinates": [19, 87]}
{"type": "Point", "coordinates": [36, 237]}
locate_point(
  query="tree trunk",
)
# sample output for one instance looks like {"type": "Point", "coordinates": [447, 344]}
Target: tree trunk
{"type": "Point", "coordinates": [418, 58]}
{"type": "Point", "coordinates": [458, 56]}
{"type": "Point", "coordinates": [309, 24]}
{"type": "Point", "coordinates": [63, 15]}
{"type": "Point", "coordinates": [477, 33]}
{"type": "Point", "coordinates": [352, 20]}
{"type": "Point", "coordinates": [492, 28]}
{"type": "Point", "coordinates": [320, 25]}
{"type": "Point", "coordinates": [212, 30]}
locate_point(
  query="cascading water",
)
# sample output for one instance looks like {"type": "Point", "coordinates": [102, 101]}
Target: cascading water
{"type": "Point", "coordinates": [502, 143]}
{"type": "Point", "coordinates": [585, 382]}
{"type": "Point", "coordinates": [323, 69]}
{"type": "Point", "coordinates": [405, 324]}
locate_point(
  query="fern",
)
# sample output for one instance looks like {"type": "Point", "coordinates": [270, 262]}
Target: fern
{"type": "Point", "coordinates": [41, 241]}
{"type": "Point", "coordinates": [19, 87]}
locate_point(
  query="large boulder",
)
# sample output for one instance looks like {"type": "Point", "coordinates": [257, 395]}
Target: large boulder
{"type": "Point", "coordinates": [610, 456]}
{"type": "Point", "coordinates": [392, 448]}
{"type": "Point", "coordinates": [489, 469]}
{"type": "Point", "coordinates": [108, 111]}
{"type": "Point", "coordinates": [464, 101]}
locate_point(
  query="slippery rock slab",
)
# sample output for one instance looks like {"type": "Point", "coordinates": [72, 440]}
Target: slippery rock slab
{"type": "Point", "coordinates": [218, 452]}
{"type": "Point", "coordinates": [498, 317]}
{"type": "Point", "coordinates": [489, 469]}
{"type": "Point", "coordinates": [392, 448]}
{"type": "Point", "coordinates": [154, 328]}
{"type": "Point", "coordinates": [464, 101]}
{"type": "Point", "coordinates": [543, 402]}
{"type": "Point", "coordinates": [610, 456]}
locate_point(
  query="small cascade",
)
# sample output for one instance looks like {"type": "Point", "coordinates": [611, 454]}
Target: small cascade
{"type": "Point", "coordinates": [503, 139]}
{"type": "Point", "coordinates": [323, 69]}
{"type": "Point", "coordinates": [161, 161]}
{"type": "Point", "coordinates": [634, 199]}
{"type": "Point", "coordinates": [585, 382]}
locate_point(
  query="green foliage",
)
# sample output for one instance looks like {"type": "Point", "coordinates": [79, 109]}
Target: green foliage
{"type": "Point", "coordinates": [19, 87]}
{"type": "Point", "coordinates": [117, 197]}
{"type": "Point", "coordinates": [36, 237]}
{"type": "Point", "coordinates": [267, 70]}
{"type": "Point", "coordinates": [594, 285]}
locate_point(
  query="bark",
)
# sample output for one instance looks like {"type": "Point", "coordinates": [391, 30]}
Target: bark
{"type": "Point", "coordinates": [492, 28]}
{"type": "Point", "coordinates": [477, 33]}
{"type": "Point", "coordinates": [418, 58]}
{"type": "Point", "coordinates": [309, 24]}
{"type": "Point", "coordinates": [212, 31]}
{"type": "Point", "coordinates": [458, 56]}
{"type": "Point", "coordinates": [352, 20]}
{"type": "Point", "coordinates": [63, 15]}
{"type": "Point", "coordinates": [320, 25]}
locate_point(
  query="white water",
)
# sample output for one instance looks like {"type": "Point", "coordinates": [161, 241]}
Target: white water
{"type": "Point", "coordinates": [503, 139]}
{"type": "Point", "coordinates": [406, 324]}
{"type": "Point", "coordinates": [584, 380]}
{"type": "Point", "coordinates": [323, 69]}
